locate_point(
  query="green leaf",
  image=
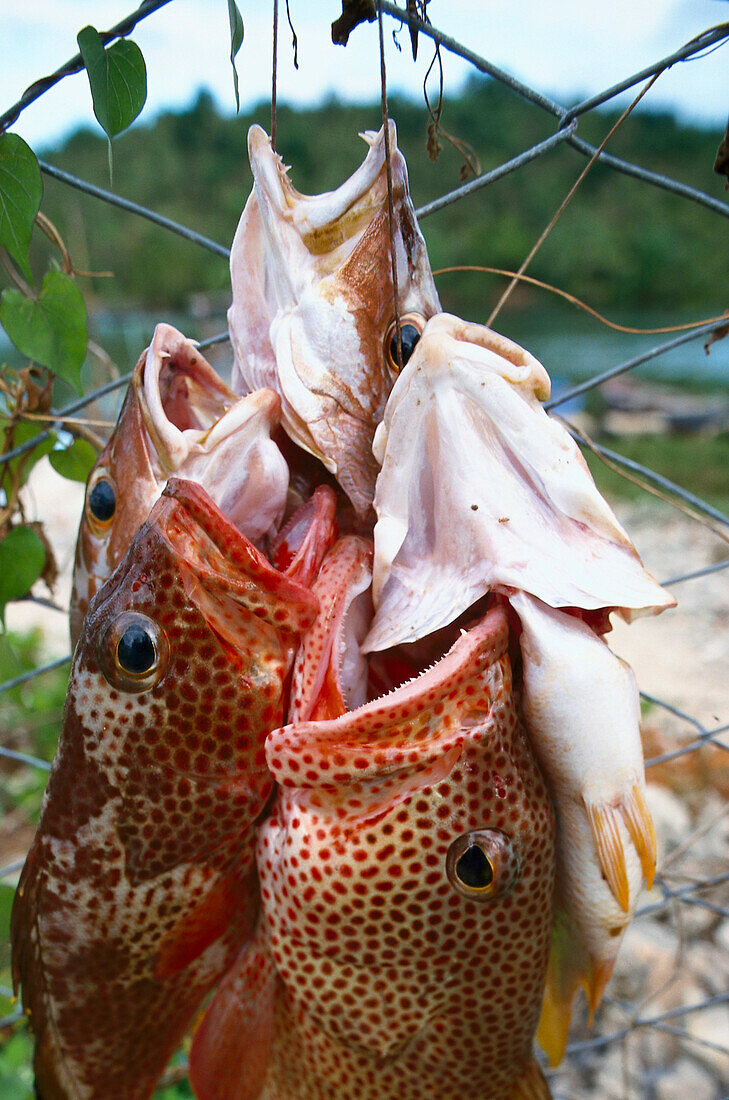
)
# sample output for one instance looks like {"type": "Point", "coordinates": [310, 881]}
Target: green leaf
{"type": "Point", "coordinates": [236, 41]}
{"type": "Point", "coordinates": [74, 462]}
{"type": "Point", "coordinates": [118, 79]}
{"type": "Point", "coordinates": [21, 189]}
{"type": "Point", "coordinates": [24, 431]}
{"type": "Point", "coordinates": [50, 329]}
{"type": "Point", "coordinates": [22, 557]}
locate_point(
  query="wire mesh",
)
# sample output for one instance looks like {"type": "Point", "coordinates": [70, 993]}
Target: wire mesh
{"type": "Point", "coordinates": [658, 1013]}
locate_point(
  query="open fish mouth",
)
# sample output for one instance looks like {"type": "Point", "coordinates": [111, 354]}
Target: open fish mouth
{"type": "Point", "coordinates": [313, 312]}
{"type": "Point", "coordinates": [201, 430]}
{"type": "Point", "coordinates": [330, 225]}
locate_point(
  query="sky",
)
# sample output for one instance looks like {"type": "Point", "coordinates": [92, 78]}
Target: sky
{"type": "Point", "coordinates": [556, 47]}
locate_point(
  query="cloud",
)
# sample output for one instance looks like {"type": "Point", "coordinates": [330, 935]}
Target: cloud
{"type": "Point", "coordinates": [554, 47]}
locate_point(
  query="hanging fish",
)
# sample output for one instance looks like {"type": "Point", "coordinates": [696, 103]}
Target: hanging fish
{"type": "Point", "coordinates": [406, 878]}
{"type": "Point", "coordinates": [313, 312]}
{"type": "Point", "coordinates": [480, 491]}
{"type": "Point", "coordinates": [140, 885]}
{"type": "Point", "coordinates": [178, 419]}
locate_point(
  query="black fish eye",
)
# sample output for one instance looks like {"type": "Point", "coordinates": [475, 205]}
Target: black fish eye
{"type": "Point", "coordinates": [102, 500]}
{"type": "Point", "coordinates": [483, 865]}
{"type": "Point", "coordinates": [411, 327]}
{"type": "Point", "coordinates": [474, 868]}
{"type": "Point", "coordinates": [409, 336]}
{"type": "Point", "coordinates": [136, 652]}
{"type": "Point", "coordinates": [133, 652]}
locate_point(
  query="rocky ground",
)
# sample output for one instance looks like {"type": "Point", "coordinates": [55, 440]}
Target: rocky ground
{"type": "Point", "coordinates": [649, 1042]}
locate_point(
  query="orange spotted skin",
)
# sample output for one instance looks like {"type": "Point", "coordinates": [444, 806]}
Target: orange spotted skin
{"type": "Point", "coordinates": [140, 884]}
{"type": "Point", "coordinates": [370, 974]}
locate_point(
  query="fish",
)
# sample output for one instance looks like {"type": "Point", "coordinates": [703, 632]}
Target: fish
{"type": "Point", "coordinates": [178, 418]}
{"type": "Point", "coordinates": [582, 710]}
{"type": "Point", "coordinates": [140, 885]}
{"type": "Point", "coordinates": [482, 492]}
{"type": "Point", "coordinates": [406, 873]}
{"type": "Point", "coordinates": [313, 314]}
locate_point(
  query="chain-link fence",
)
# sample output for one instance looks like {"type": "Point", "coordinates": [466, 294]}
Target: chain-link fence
{"type": "Point", "coordinates": [663, 1030]}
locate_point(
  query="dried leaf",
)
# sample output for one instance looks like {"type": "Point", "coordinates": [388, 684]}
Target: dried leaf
{"type": "Point", "coordinates": [433, 145]}
{"type": "Point", "coordinates": [354, 12]}
{"type": "Point", "coordinates": [717, 334]}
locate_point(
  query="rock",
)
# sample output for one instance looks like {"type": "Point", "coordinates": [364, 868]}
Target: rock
{"type": "Point", "coordinates": [710, 964]}
{"type": "Point", "coordinates": [685, 1080]}
{"type": "Point", "coordinates": [710, 1025]}
{"type": "Point", "coordinates": [647, 960]}
{"type": "Point", "coordinates": [671, 819]}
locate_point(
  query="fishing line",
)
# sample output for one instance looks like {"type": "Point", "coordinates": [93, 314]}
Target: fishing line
{"type": "Point", "coordinates": [274, 75]}
{"type": "Point", "coordinates": [390, 203]}
{"type": "Point", "coordinates": [535, 248]}
{"type": "Point", "coordinates": [578, 301]}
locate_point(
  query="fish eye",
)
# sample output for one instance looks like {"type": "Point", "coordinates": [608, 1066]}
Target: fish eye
{"type": "Point", "coordinates": [133, 652]}
{"type": "Point", "coordinates": [100, 501]}
{"type": "Point", "coordinates": [482, 865]}
{"type": "Point", "coordinates": [411, 327]}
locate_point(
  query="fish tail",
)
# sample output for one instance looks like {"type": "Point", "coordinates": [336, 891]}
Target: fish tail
{"type": "Point", "coordinates": [604, 822]}
{"type": "Point", "coordinates": [639, 822]}
{"type": "Point", "coordinates": [531, 1084]}
{"type": "Point", "coordinates": [564, 975]}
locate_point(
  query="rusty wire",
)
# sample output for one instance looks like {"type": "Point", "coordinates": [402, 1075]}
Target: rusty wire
{"type": "Point", "coordinates": [566, 135]}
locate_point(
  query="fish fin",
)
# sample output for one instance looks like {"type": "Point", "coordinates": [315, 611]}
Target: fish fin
{"type": "Point", "coordinates": [639, 822]}
{"type": "Point", "coordinates": [231, 1045]}
{"type": "Point", "coordinates": [604, 824]}
{"type": "Point", "coordinates": [228, 903]}
{"type": "Point", "coordinates": [531, 1084]}
{"type": "Point", "coordinates": [562, 982]}
{"type": "Point", "coordinates": [595, 979]}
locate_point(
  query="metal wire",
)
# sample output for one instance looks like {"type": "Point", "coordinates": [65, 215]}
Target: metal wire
{"type": "Point", "coordinates": [134, 208]}
{"type": "Point", "coordinates": [567, 121]}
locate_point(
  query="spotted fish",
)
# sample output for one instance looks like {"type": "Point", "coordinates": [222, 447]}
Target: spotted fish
{"type": "Point", "coordinates": [406, 878]}
{"type": "Point", "coordinates": [178, 419]}
{"type": "Point", "coordinates": [139, 887]}
{"type": "Point", "coordinates": [481, 491]}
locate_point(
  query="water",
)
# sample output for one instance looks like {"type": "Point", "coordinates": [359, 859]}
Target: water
{"type": "Point", "coordinates": [571, 346]}
{"type": "Point", "coordinates": [577, 347]}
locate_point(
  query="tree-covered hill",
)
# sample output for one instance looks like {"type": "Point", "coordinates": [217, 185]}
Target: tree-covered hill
{"type": "Point", "coordinates": [620, 243]}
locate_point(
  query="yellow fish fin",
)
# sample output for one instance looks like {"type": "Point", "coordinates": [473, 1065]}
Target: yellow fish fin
{"type": "Point", "coordinates": [604, 824]}
{"type": "Point", "coordinates": [564, 976]}
{"type": "Point", "coordinates": [639, 822]}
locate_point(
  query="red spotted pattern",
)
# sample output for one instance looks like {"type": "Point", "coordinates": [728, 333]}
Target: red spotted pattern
{"type": "Point", "coordinates": [140, 885]}
{"type": "Point", "coordinates": [392, 983]}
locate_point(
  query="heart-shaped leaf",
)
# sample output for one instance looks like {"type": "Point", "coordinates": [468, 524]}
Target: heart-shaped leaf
{"type": "Point", "coordinates": [50, 329]}
{"type": "Point", "coordinates": [236, 41]}
{"type": "Point", "coordinates": [21, 189]}
{"type": "Point", "coordinates": [74, 462]}
{"type": "Point", "coordinates": [22, 557]}
{"type": "Point", "coordinates": [118, 79]}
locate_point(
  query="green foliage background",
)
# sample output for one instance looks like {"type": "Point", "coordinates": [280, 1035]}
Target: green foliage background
{"type": "Point", "coordinates": [617, 245]}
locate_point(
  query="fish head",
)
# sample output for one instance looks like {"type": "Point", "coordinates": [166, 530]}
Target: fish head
{"type": "Point", "coordinates": [189, 562]}
{"type": "Point", "coordinates": [408, 868]}
{"type": "Point", "coordinates": [180, 419]}
{"type": "Point", "coordinates": [481, 490]}
{"type": "Point", "coordinates": [313, 310]}
{"type": "Point", "coordinates": [193, 629]}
